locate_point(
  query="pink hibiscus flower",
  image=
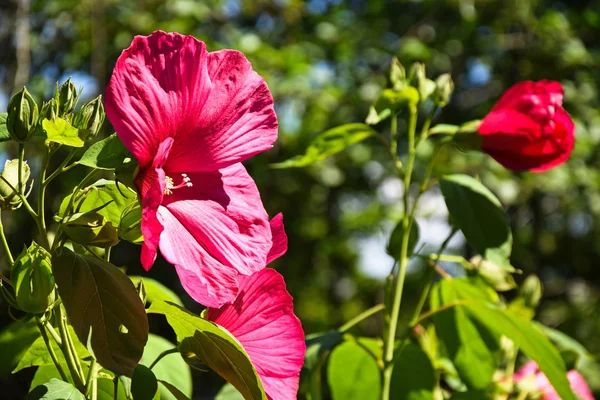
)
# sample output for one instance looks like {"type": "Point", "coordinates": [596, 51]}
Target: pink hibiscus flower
{"type": "Point", "coordinates": [262, 319]}
{"type": "Point", "coordinates": [531, 371]}
{"type": "Point", "coordinates": [190, 117]}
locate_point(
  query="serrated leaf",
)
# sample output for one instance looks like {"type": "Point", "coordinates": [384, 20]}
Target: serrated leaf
{"type": "Point", "coordinates": [352, 373]}
{"type": "Point", "coordinates": [4, 135]}
{"type": "Point", "coordinates": [479, 215]}
{"type": "Point", "coordinates": [104, 309]}
{"type": "Point", "coordinates": [107, 154]}
{"type": "Point", "coordinates": [60, 131]}
{"type": "Point", "coordinates": [212, 345]}
{"type": "Point", "coordinates": [329, 143]}
{"type": "Point", "coordinates": [171, 369]}
{"type": "Point", "coordinates": [55, 389]}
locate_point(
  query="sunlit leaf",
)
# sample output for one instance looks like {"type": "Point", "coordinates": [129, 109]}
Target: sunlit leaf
{"type": "Point", "coordinates": [4, 135]}
{"type": "Point", "coordinates": [60, 131]}
{"type": "Point", "coordinates": [15, 339]}
{"type": "Point", "coordinates": [55, 389]}
{"type": "Point", "coordinates": [105, 154]}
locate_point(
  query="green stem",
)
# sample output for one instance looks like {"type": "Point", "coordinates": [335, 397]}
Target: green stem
{"type": "Point", "coordinates": [22, 197]}
{"type": "Point", "coordinates": [41, 327]}
{"type": "Point", "coordinates": [21, 160]}
{"type": "Point", "coordinates": [60, 169]}
{"type": "Point", "coordinates": [360, 317]}
{"type": "Point", "coordinates": [5, 243]}
{"type": "Point", "coordinates": [91, 377]}
{"type": "Point", "coordinates": [70, 355]}
{"type": "Point", "coordinates": [388, 355]}
{"type": "Point", "coordinates": [41, 219]}
{"type": "Point", "coordinates": [394, 142]}
{"type": "Point", "coordinates": [161, 355]}
{"type": "Point", "coordinates": [78, 188]}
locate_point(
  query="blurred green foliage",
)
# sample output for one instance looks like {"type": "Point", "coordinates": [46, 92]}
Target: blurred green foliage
{"type": "Point", "coordinates": [325, 62]}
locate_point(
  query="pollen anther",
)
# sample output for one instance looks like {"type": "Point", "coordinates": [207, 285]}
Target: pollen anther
{"type": "Point", "coordinates": [170, 184]}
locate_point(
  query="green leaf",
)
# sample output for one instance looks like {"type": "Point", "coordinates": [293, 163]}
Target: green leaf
{"type": "Point", "coordinates": [113, 196]}
{"type": "Point", "coordinates": [394, 246]}
{"type": "Point", "coordinates": [106, 390]}
{"type": "Point", "coordinates": [143, 383]}
{"type": "Point", "coordinates": [157, 291]}
{"type": "Point", "coordinates": [60, 131]}
{"type": "Point", "coordinates": [317, 344]}
{"type": "Point", "coordinates": [479, 215]}
{"type": "Point", "coordinates": [328, 143]}
{"type": "Point", "coordinates": [55, 389]}
{"type": "Point", "coordinates": [465, 341]}
{"type": "Point", "coordinates": [171, 369]}
{"type": "Point", "coordinates": [229, 392]}
{"type": "Point", "coordinates": [15, 339]}
{"type": "Point", "coordinates": [4, 135]}
{"type": "Point", "coordinates": [413, 377]}
{"type": "Point", "coordinates": [470, 395]}
{"type": "Point", "coordinates": [108, 153]}
{"type": "Point", "coordinates": [37, 354]}
{"type": "Point", "coordinates": [213, 346]}
{"type": "Point", "coordinates": [104, 309]}
{"type": "Point", "coordinates": [130, 228]}
{"type": "Point", "coordinates": [352, 373]}
{"type": "Point", "coordinates": [46, 372]}
{"type": "Point", "coordinates": [443, 129]}
{"type": "Point", "coordinates": [533, 343]}
{"type": "Point", "coordinates": [173, 390]}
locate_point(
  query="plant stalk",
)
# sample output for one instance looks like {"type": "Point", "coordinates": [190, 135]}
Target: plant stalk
{"type": "Point", "coordinates": [42, 328]}
{"type": "Point", "coordinates": [5, 243]}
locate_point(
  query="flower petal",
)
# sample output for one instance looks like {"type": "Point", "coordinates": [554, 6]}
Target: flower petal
{"type": "Point", "coordinates": [204, 278]}
{"type": "Point", "coordinates": [224, 213]}
{"type": "Point", "coordinates": [280, 239]}
{"type": "Point", "coordinates": [262, 319]}
{"type": "Point", "coordinates": [237, 122]}
{"type": "Point", "coordinates": [151, 185]}
{"type": "Point", "coordinates": [158, 88]}
{"type": "Point", "coordinates": [579, 385]}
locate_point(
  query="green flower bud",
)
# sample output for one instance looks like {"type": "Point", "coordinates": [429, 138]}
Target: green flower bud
{"type": "Point", "coordinates": [33, 280]}
{"type": "Point", "coordinates": [67, 98]}
{"type": "Point", "coordinates": [90, 118]}
{"type": "Point", "coordinates": [397, 75]}
{"type": "Point", "coordinates": [22, 116]}
{"type": "Point", "coordinates": [531, 291]}
{"type": "Point", "coordinates": [444, 86]}
{"type": "Point", "coordinates": [9, 199]}
{"type": "Point", "coordinates": [90, 228]}
{"type": "Point", "coordinates": [496, 276]}
{"type": "Point", "coordinates": [49, 110]}
{"type": "Point", "coordinates": [425, 86]}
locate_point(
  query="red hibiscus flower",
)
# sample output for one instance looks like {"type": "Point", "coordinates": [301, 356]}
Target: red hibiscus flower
{"type": "Point", "coordinates": [262, 319]}
{"type": "Point", "coordinates": [528, 129]}
{"type": "Point", "coordinates": [190, 117]}
{"type": "Point", "coordinates": [540, 382]}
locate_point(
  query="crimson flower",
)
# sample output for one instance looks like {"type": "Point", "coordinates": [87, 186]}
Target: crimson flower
{"type": "Point", "coordinates": [190, 117]}
{"type": "Point", "coordinates": [528, 129]}
{"type": "Point", "coordinates": [262, 319]}
{"type": "Point", "coordinates": [530, 371]}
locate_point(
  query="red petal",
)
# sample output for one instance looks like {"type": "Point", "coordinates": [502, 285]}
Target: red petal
{"type": "Point", "coordinates": [280, 239]}
{"type": "Point", "coordinates": [262, 319]}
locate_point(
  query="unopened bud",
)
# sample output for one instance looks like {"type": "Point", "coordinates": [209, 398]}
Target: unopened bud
{"type": "Point", "coordinates": [22, 116]}
{"type": "Point", "coordinates": [531, 291]}
{"type": "Point", "coordinates": [419, 80]}
{"type": "Point", "coordinates": [67, 97]}
{"type": "Point", "coordinates": [90, 118]}
{"type": "Point", "coordinates": [49, 110]}
{"type": "Point", "coordinates": [498, 277]}
{"type": "Point", "coordinates": [444, 86]}
{"type": "Point", "coordinates": [397, 75]}
{"type": "Point", "coordinates": [33, 280]}
{"type": "Point", "coordinates": [9, 184]}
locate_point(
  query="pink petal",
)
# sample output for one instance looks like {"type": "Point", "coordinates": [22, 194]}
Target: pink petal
{"type": "Point", "coordinates": [237, 121]}
{"type": "Point", "coordinates": [262, 319]}
{"type": "Point", "coordinates": [203, 277]}
{"type": "Point", "coordinates": [579, 385]}
{"type": "Point", "coordinates": [527, 370]}
{"type": "Point", "coordinates": [151, 186]}
{"type": "Point", "coordinates": [280, 239]}
{"type": "Point", "coordinates": [224, 213]}
{"type": "Point", "coordinates": [158, 88]}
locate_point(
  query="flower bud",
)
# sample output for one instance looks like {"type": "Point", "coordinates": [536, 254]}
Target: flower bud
{"type": "Point", "coordinates": [531, 291]}
{"type": "Point", "coordinates": [397, 75]}
{"type": "Point", "coordinates": [419, 79]}
{"type": "Point", "coordinates": [444, 86]}
{"type": "Point", "coordinates": [9, 199]}
{"type": "Point", "coordinates": [67, 97]}
{"type": "Point", "coordinates": [22, 116]}
{"type": "Point", "coordinates": [90, 118]}
{"type": "Point", "coordinates": [498, 277]}
{"type": "Point", "coordinates": [49, 110]}
{"type": "Point", "coordinates": [33, 280]}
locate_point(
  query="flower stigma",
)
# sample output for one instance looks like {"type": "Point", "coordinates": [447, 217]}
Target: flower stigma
{"type": "Point", "coordinates": [186, 182]}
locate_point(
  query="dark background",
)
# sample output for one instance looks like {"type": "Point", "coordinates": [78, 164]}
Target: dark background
{"type": "Point", "coordinates": [325, 62]}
